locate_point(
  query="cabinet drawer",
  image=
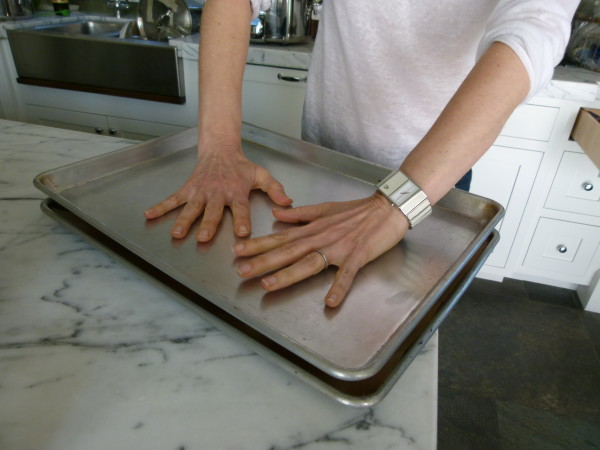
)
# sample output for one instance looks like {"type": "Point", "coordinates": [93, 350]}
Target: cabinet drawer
{"type": "Point", "coordinates": [273, 98]}
{"type": "Point", "coordinates": [576, 186]}
{"type": "Point", "coordinates": [565, 248]}
{"type": "Point", "coordinates": [531, 122]}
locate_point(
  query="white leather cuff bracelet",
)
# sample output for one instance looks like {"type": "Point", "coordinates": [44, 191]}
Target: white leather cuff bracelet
{"type": "Point", "coordinates": [406, 196]}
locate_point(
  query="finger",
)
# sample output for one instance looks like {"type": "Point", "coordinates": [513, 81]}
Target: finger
{"type": "Point", "coordinates": [191, 211]}
{"type": "Point", "coordinates": [274, 189]}
{"type": "Point", "coordinates": [213, 213]}
{"type": "Point", "coordinates": [164, 207]}
{"type": "Point", "coordinates": [341, 286]}
{"type": "Point", "coordinates": [308, 266]}
{"type": "Point", "coordinates": [283, 238]}
{"type": "Point", "coordinates": [313, 212]}
{"type": "Point", "coordinates": [267, 262]}
{"type": "Point", "coordinates": [241, 217]}
{"type": "Point", "coordinates": [300, 214]}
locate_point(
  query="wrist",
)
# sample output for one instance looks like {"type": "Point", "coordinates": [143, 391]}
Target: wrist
{"type": "Point", "coordinates": [405, 195]}
{"type": "Point", "coordinates": [393, 213]}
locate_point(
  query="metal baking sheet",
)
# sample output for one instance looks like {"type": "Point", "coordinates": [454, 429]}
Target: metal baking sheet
{"type": "Point", "coordinates": [360, 393]}
{"type": "Point", "coordinates": [389, 298]}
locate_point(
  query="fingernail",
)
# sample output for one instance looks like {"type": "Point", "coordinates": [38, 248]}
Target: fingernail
{"type": "Point", "coordinates": [268, 282]}
{"type": "Point", "coordinates": [202, 235]}
{"type": "Point", "coordinates": [243, 229]}
{"type": "Point", "coordinates": [238, 247]}
{"type": "Point", "coordinates": [331, 300]}
{"type": "Point", "coordinates": [177, 230]}
{"type": "Point", "coordinates": [244, 269]}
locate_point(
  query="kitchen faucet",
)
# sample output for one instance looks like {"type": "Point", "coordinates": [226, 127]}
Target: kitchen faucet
{"type": "Point", "coordinates": [118, 5]}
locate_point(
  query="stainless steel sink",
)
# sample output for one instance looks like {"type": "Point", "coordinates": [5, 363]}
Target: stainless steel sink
{"type": "Point", "coordinates": [100, 56]}
{"type": "Point", "coordinates": [84, 28]}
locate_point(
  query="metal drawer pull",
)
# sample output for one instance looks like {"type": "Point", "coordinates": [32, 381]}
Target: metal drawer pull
{"type": "Point", "coordinates": [292, 79]}
{"type": "Point", "coordinates": [587, 186]}
{"type": "Point", "coordinates": [98, 130]}
{"type": "Point", "coordinates": [561, 248]}
{"type": "Point", "coordinates": [112, 131]}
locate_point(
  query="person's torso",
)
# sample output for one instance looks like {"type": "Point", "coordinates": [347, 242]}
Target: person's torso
{"type": "Point", "coordinates": [381, 72]}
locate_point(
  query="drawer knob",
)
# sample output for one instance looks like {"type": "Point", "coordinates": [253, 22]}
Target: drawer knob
{"type": "Point", "coordinates": [587, 186]}
{"type": "Point", "coordinates": [561, 248]}
{"type": "Point", "coordinates": [112, 131]}
{"type": "Point", "coordinates": [98, 130]}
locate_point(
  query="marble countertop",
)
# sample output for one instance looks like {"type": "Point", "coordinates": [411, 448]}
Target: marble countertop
{"type": "Point", "coordinates": [94, 357]}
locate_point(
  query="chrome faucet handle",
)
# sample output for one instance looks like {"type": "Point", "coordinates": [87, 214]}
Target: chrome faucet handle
{"type": "Point", "coordinates": [118, 5]}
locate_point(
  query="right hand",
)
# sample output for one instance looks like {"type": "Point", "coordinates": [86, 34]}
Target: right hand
{"type": "Point", "coordinates": [221, 178]}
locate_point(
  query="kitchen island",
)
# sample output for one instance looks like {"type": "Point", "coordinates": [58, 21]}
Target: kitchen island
{"type": "Point", "coordinates": [93, 356]}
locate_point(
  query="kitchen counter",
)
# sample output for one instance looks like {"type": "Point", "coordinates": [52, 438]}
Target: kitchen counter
{"type": "Point", "coordinates": [568, 82]}
{"type": "Point", "coordinates": [94, 357]}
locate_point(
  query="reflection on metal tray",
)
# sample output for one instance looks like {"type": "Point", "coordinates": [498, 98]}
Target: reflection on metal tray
{"type": "Point", "coordinates": [389, 298]}
{"type": "Point", "coordinates": [361, 393]}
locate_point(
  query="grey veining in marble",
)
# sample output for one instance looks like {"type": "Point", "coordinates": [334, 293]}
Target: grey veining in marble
{"type": "Point", "coordinates": [94, 357]}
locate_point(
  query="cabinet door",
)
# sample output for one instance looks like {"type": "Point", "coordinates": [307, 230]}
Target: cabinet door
{"type": "Point", "coordinates": [576, 187]}
{"type": "Point", "coordinates": [568, 250]}
{"type": "Point", "coordinates": [140, 130]}
{"type": "Point", "coordinates": [70, 120]}
{"type": "Point", "coordinates": [273, 98]}
{"type": "Point", "coordinates": [506, 175]}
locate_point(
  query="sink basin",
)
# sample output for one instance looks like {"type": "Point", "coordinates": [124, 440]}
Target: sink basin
{"type": "Point", "coordinates": [98, 56]}
{"type": "Point", "coordinates": [84, 28]}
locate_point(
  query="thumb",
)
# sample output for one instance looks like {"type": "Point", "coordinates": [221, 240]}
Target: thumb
{"type": "Point", "coordinates": [273, 188]}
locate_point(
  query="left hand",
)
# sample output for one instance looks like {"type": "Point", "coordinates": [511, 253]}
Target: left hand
{"type": "Point", "coordinates": [350, 234]}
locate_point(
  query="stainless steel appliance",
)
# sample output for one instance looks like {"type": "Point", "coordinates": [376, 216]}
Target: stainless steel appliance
{"type": "Point", "coordinates": [285, 22]}
{"type": "Point", "coordinates": [15, 9]}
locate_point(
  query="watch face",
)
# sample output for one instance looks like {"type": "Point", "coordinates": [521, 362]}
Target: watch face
{"type": "Point", "coordinates": [398, 188]}
{"type": "Point", "coordinates": [403, 193]}
{"type": "Point", "coordinates": [406, 196]}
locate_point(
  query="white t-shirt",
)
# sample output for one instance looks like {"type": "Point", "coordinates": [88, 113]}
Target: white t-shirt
{"type": "Point", "coordinates": [381, 72]}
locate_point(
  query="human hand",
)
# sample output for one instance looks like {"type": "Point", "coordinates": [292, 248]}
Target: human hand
{"type": "Point", "coordinates": [218, 180]}
{"type": "Point", "coordinates": [349, 235]}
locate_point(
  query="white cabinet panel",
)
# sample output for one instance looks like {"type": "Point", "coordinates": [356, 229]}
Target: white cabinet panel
{"type": "Point", "coordinates": [140, 130]}
{"type": "Point", "coordinates": [565, 248]}
{"type": "Point", "coordinates": [531, 122]}
{"type": "Point", "coordinates": [506, 175]}
{"type": "Point", "coordinates": [70, 120]}
{"type": "Point", "coordinates": [99, 124]}
{"type": "Point", "coordinates": [576, 187]}
{"type": "Point", "coordinates": [274, 98]}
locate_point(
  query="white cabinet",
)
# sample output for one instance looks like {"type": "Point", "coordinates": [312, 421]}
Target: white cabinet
{"type": "Point", "coordinates": [273, 98]}
{"type": "Point", "coordinates": [564, 249]}
{"type": "Point", "coordinates": [576, 187]}
{"type": "Point", "coordinates": [506, 175]}
{"type": "Point", "coordinates": [126, 117]}
{"type": "Point", "coordinates": [99, 124]}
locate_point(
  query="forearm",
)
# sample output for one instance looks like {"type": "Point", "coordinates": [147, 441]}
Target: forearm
{"type": "Point", "coordinates": [224, 42]}
{"type": "Point", "coordinates": [470, 123]}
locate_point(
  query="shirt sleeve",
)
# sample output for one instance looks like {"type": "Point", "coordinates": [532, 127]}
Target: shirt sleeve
{"type": "Point", "coordinates": [259, 5]}
{"type": "Point", "coordinates": [538, 32]}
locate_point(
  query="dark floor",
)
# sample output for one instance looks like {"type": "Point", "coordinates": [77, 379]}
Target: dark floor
{"type": "Point", "coordinates": [519, 368]}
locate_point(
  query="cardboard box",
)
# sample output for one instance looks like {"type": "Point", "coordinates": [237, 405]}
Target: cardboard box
{"type": "Point", "coordinates": [586, 132]}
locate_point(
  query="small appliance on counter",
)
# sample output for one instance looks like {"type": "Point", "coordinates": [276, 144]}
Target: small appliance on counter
{"type": "Point", "coordinates": [15, 9]}
{"type": "Point", "coordinates": [285, 22]}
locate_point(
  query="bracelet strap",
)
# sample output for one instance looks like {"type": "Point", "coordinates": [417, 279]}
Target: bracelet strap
{"type": "Point", "coordinates": [406, 196]}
